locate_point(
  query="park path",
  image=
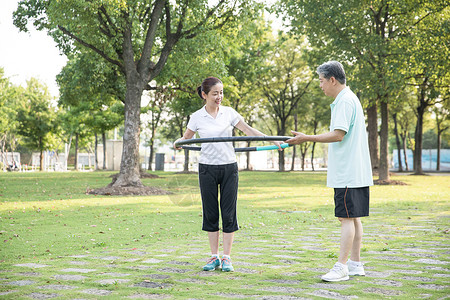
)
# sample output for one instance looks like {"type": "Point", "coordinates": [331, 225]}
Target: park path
{"type": "Point", "coordinates": [286, 265]}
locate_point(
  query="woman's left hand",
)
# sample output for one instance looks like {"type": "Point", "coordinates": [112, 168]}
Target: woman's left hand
{"type": "Point", "coordinates": [278, 144]}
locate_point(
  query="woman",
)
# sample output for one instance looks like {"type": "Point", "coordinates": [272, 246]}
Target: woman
{"type": "Point", "coordinates": [217, 167]}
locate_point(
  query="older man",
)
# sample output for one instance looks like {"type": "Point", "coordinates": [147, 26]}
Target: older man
{"type": "Point", "coordinates": [349, 167]}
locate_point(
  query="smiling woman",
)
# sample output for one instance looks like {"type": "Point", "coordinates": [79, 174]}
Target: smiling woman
{"type": "Point", "coordinates": [217, 168]}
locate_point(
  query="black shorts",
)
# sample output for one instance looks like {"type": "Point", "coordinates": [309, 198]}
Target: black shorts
{"type": "Point", "coordinates": [351, 202]}
{"type": "Point", "coordinates": [211, 177]}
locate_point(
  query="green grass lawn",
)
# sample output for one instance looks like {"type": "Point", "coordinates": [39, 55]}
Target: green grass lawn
{"type": "Point", "coordinates": [47, 218]}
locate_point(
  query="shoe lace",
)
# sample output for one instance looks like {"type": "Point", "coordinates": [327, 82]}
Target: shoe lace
{"type": "Point", "coordinates": [226, 260]}
{"type": "Point", "coordinates": [212, 259]}
{"type": "Point", "coordinates": [336, 268]}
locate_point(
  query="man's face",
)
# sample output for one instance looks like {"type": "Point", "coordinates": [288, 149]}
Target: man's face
{"type": "Point", "coordinates": [325, 85]}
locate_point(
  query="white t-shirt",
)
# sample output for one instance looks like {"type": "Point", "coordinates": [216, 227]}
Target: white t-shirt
{"type": "Point", "coordinates": [221, 126]}
{"type": "Point", "coordinates": [349, 160]}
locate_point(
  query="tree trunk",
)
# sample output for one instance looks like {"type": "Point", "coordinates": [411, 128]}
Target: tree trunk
{"type": "Point", "coordinates": [295, 129]}
{"type": "Point", "coordinates": [4, 158]}
{"type": "Point", "coordinates": [418, 134]}
{"type": "Point", "coordinates": [303, 159]}
{"type": "Point", "coordinates": [403, 136]}
{"type": "Point", "coordinates": [186, 161]}
{"type": "Point", "coordinates": [438, 161]}
{"type": "Point", "coordinates": [96, 151]}
{"type": "Point", "coordinates": [104, 149]}
{"type": "Point", "coordinates": [372, 127]}
{"type": "Point", "coordinates": [303, 151]}
{"type": "Point", "coordinates": [397, 140]}
{"type": "Point", "coordinates": [68, 150]}
{"type": "Point", "coordinates": [439, 137]}
{"type": "Point", "coordinates": [384, 140]}
{"type": "Point", "coordinates": [129, 166]}
{"type": "Point", "coordinates": [150, 158]}
{"type": "Point", "coordinates": [312, 155]}
{"type": "Point", "coordinates": [418, 139]}
{"type": "Point", "coordinates": [76, 152]}
{"type": "Point", "coordinates": [41, 156]}
{"type": "Point", "coordinates": [248, 156]}
{"type": "Point", "coordinates": [281, 161]}
{"type": "Point", "coordinates": [313, 145]}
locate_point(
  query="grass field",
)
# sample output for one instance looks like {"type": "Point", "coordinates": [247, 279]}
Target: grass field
{"type": "Point", "coordinates": [288, 237]}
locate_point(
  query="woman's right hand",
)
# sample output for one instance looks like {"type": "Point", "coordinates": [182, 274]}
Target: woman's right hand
{"type": "Point", "coordinates": [175, 147]}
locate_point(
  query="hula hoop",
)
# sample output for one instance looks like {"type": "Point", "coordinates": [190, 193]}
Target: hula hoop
{"type": "Point", "coordinates": [245, 149]}
{"type": "Point", "coordinates": [237, 139]}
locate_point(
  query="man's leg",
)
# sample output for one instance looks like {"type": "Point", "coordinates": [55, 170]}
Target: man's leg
{"type": "Point", "coordinates": [340, 271]}
{"type": "Point", "coordinates": [347, 238]}
{"type": "Point", "coordinates": [356, 247]}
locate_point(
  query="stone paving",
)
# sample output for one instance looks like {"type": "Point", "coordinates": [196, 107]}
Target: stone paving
{"type": "Point", "coordinates": [174, 271]}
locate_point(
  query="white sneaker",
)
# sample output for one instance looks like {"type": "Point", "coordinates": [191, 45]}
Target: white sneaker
{"type": "Point", "coordinates": [338, 273]}
{"type": "Point", "coordinates": [355, 268]}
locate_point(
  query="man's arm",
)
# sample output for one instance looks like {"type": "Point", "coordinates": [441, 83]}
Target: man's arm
{"type": "Point", "coordinates": [330, 137]}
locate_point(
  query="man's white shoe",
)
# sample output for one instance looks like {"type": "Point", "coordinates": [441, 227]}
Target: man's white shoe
{"type": "Point", "coordinates": [355, 268]}
{"type": "Point", "coordinates": [338, 273]}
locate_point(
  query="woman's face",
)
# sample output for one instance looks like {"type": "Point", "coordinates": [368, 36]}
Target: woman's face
{"type": "Point", "coordinates": [215, 95]}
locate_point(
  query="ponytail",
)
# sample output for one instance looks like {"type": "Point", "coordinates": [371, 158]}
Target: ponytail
{"type": "Point", "coordinates": [199, 92]}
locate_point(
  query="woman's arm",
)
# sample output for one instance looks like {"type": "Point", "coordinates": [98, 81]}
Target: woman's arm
{"type": "Point", "coordinates": [247, 129]}
{"type": "Point", "coordinates": [188, 134]}
{"type": "Point", "coordinates": [250, 131]}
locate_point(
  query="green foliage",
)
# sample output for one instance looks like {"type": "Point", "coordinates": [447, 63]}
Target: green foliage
{"type": "Point", "coordinates": [9, 99]}
{"type": "Point", "coordinates": [91, 95]}
{"type": "Point", "coordinates": [373, 38]}
{"type": "Point", "coordinates": [284, 80]}
{"type": "Point", "coordinates": [36, 116]}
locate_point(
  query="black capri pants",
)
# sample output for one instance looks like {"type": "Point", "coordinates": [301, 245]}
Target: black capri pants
{"type": "Point", "coordinates": [210, 178]}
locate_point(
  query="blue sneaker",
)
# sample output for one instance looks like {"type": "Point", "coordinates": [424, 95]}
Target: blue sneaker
{"type": "Point", "coordinates": [226, 265]}
{"type": "Point", "coordinates": [213, 263]}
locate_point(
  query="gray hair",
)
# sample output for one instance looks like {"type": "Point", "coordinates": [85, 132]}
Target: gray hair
{"type": "Point", "coordinates": [332, 69]}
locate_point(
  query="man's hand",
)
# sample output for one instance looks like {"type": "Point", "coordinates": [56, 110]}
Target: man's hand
{"type": "Point", "coordinates": [298, 139]}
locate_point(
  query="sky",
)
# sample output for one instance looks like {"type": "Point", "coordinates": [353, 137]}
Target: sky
{"type": "Point", "coordinates": [25, 55]}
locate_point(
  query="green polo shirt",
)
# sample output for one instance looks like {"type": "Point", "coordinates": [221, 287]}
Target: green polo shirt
{"type": "Point", "coordinates": [349, 160]}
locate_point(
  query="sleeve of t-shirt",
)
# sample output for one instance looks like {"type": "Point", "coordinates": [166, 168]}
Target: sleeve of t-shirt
{"type": "Point", "coordinates": [192, 124]}
{"type": "Point", "coordinates": [343, 116]}
{"type": "Point", "coordinates": [235, 117]}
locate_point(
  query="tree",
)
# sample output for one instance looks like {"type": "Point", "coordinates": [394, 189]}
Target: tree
{"type": "Point", "coordinates": [137, 37]}
{"type": "Point", "coordinates": [428, 70]}
{"type": "Point", "coordinates": [9, 98]}
{"type": "Point", "coordinates": [36, 117]}
{"type": "Point", "coordinates": [283, 84]}
{"type": "Point", "coordinates": [182, 79]}
{"type": "Point", "coordinates": [93, 91]}
{"type": "Point", "coordinates": [367, 36]}
{"type": "Point", "coordinates": [317, 115]}
{"type": "Point", "coordinates": [246, 54]}
{"type": "Point", "coordinates": [156, 107]}
{"type": "Point", "coordinates": [402, 116]}
{"type": "Point", "coordinates": [442, 125]}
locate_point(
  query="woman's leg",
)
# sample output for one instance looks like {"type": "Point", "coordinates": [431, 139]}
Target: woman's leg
{"type": "Point", "coordinates": [214, 242]}
{"type": "Point", "coordinates": [227, 243]}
